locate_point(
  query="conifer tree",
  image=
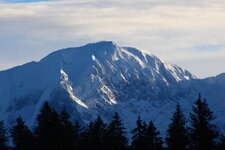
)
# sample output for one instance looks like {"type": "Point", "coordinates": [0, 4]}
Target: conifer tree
{"type": "Point", "coordinates": [22, 137]}
{"type": "Point", "coordinates": [47, 130]}
{"type": "Point", "coordinates": [177, 135]}
{"type": "Point", "coordinates": [85, 139]}
{"type": "Point", "coordinates": [3, 137]}
{"type": "Point", "coordinates": [221, 143]}
{"type": "Point", "coordinates": [66, 131]}
{"type": "Point", "coordinates": [94, 137]}
{"type": "Point", "coordinates": [203, 131]}
{"type": "Point", "coordinates": [138, 138]}
{"type": "Point", "coordinates": [152, 138]}
{"type": "Point", "coordinates": [77, 136]}
{"type": "Point", "coordinates": [116, 134]}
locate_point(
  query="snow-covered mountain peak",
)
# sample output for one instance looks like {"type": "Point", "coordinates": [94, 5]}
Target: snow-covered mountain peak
{"type": "Point", "coordinates": [105, 52]}
{"type": "Point", "coordinates": [107, 44]}
{"type": "Point", "coordinates": [96, 78]}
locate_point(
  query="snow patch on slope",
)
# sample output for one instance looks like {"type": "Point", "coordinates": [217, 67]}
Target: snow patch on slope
{"type": "Point", "coordinates": [142, 64]}
{"type": "Point", "coordinates": [67, 86]}
{"type": "Point", "coordinates": [99, 64]}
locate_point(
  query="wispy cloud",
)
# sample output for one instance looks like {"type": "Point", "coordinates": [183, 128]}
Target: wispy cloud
{"type": "Point", "coordinates": [178, 31]}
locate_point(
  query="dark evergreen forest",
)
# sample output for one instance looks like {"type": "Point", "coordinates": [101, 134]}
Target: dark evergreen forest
{"type": "Point", "coordinates": [55, 131]}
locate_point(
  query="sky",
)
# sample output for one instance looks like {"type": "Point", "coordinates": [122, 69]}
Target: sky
{"type": "Point", "coordinates": [190, 34]}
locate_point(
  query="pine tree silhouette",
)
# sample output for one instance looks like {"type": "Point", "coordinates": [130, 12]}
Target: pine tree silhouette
{"type": "Point", "coordinates": [138, 138]}
{"type": "Point", "coordinates": [66, 131]}
{"type": "Point", "coordinates": [95, 135]}
{"type": "Point", "coordinates": [22, 137]}
{"type": "Point", "coordinates": [3, 137]}
{"type": "Point", "coordinates": [203, 131]}
{"type": "Point", "coordinates": [221, 143]}
{"type": "Point", "coordinates": [177, 135]}
{"type": "Point", "coordinates": [77, 136]}
{"type": "Point", "coordinates": [116, 134]}
{"type": "Point", "coordinates": [152, 138]}
{"type": "Point", "coordinates": [47, 130]}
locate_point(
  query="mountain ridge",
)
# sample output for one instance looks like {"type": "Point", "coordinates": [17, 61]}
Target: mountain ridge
{"type": "Point", "coordinates": [99, 79]}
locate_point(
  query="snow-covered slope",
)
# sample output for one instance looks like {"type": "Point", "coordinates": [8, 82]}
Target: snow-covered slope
{"type": "Point", "coordinates": [99, 79]}
{"type": "Point", "coordinates": [212, 89]}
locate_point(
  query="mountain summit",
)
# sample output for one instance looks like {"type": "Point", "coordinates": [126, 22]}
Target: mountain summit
{"type": "Point", "coordinates": [96, 79]}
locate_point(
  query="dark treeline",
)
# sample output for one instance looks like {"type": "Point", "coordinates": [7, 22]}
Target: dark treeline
{"type": "Point", "coordinates": [55, 131]}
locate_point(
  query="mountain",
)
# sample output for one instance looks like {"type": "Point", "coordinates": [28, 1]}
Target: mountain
{"type": "Point", "coordinates": [101, 78]}
{"type": "Point", "coordinates": [213, 90]}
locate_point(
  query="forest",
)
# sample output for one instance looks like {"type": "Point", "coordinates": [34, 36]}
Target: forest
{"type": "Point", "coordinates": [55, 131]}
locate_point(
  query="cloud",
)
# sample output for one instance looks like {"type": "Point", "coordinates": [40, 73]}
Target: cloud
{"type": "Point", "coordinates": [177, 30]}
{"type": "Point", "coordinates": [22, 1]}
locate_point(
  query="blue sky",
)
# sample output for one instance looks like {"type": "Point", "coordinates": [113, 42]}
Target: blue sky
{"type": "Point", "coordinates": [190, 33]}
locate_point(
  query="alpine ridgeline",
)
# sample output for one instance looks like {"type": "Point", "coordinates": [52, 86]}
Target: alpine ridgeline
{"type": "Point", "coordinates": [102, 78]}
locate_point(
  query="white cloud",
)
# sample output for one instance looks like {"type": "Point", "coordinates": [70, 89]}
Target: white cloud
{"type": "Point", "coordinates": [170, 29]}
